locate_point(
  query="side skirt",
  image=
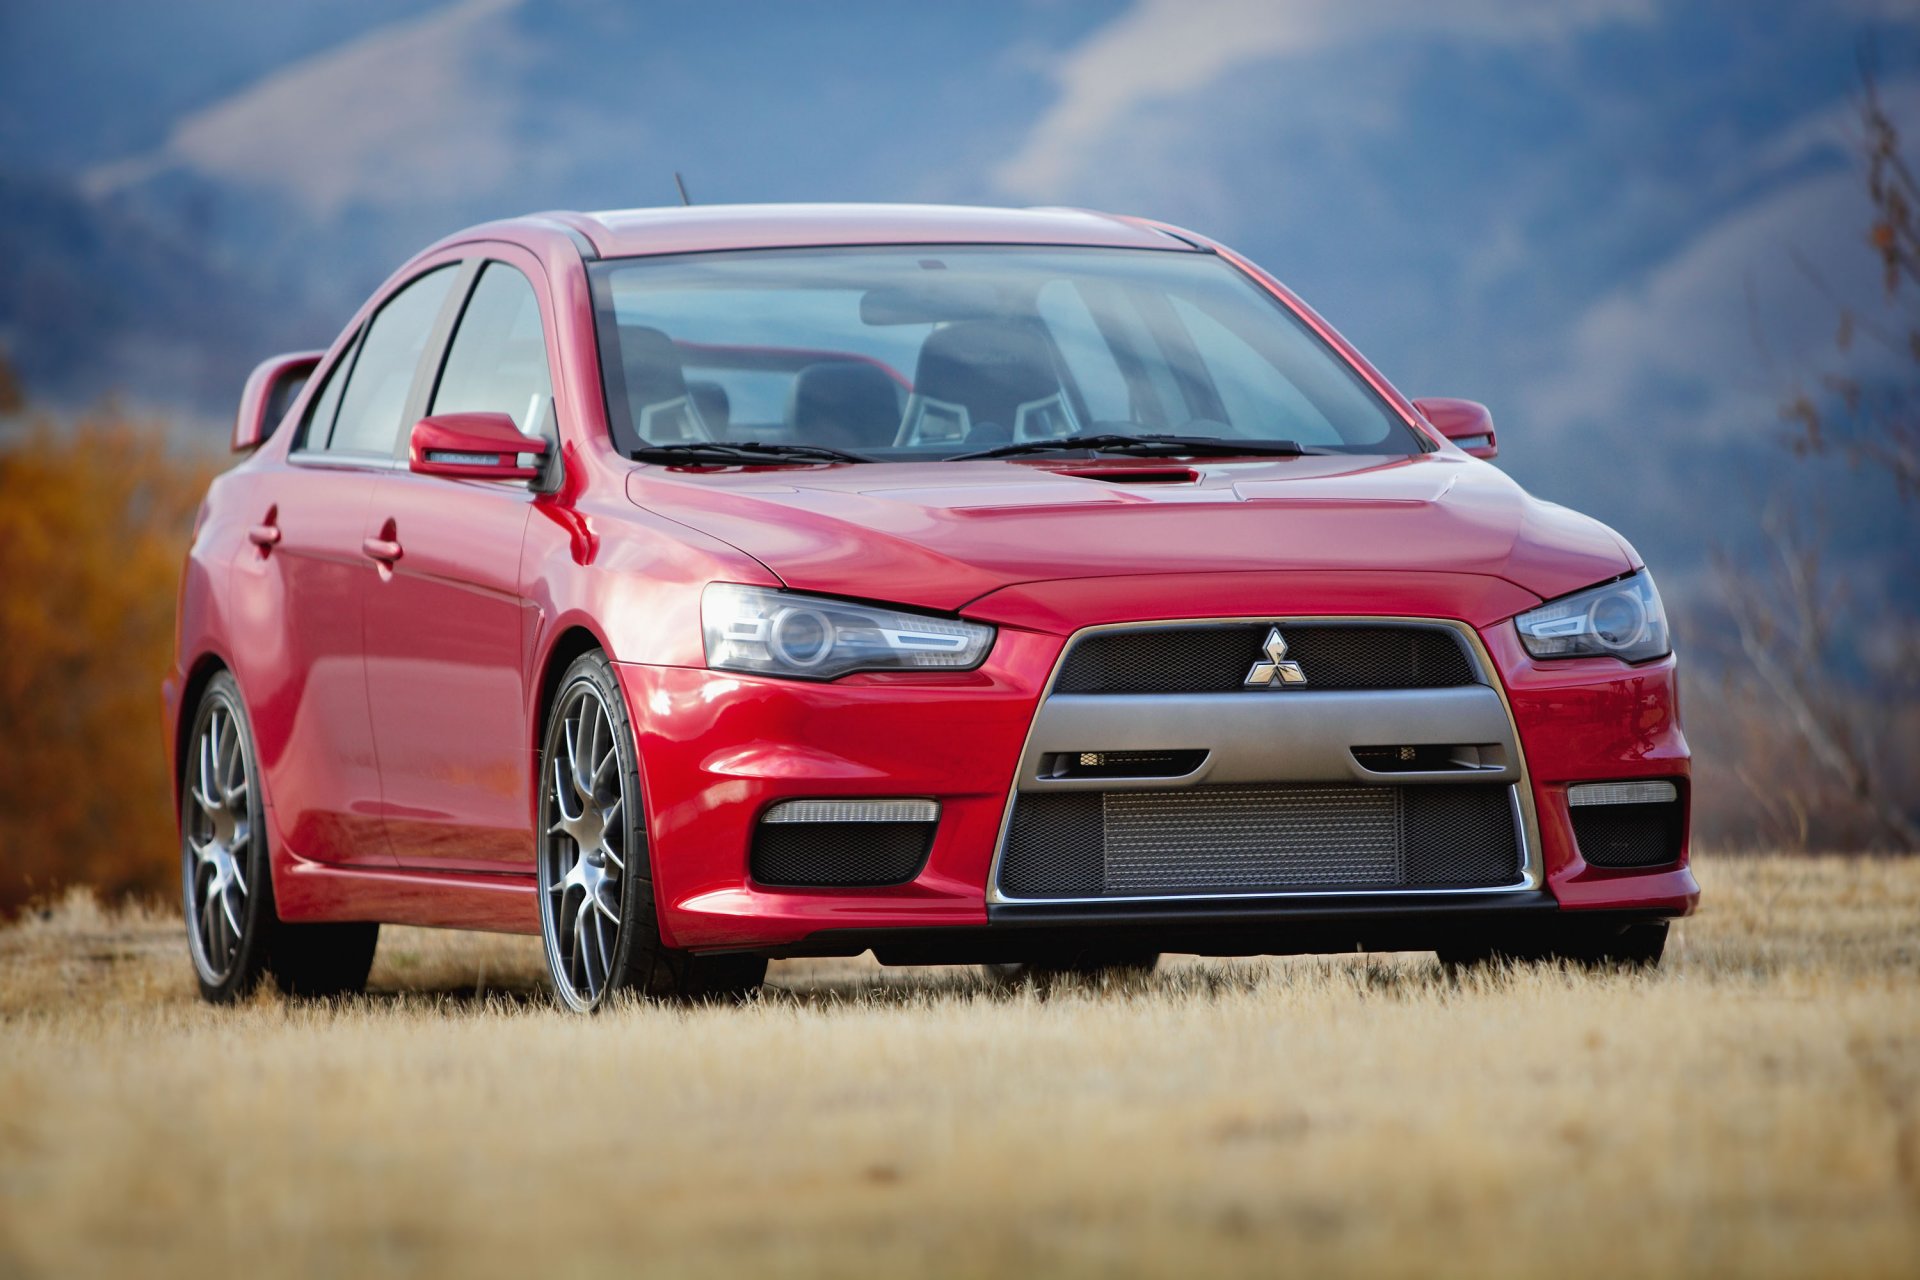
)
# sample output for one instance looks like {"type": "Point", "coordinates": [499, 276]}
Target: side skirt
{"type": "Point", "coordinates": [306, 892]}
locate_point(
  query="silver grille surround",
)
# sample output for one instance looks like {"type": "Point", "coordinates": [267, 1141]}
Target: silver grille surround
{"type": "Point", "coordinates": [1526, 820]}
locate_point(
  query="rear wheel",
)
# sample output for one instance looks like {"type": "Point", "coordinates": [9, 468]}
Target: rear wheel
{"type": "Point", "coordinates": [597, 913]}
{"type": "Point", "coordinates": [234, 933]}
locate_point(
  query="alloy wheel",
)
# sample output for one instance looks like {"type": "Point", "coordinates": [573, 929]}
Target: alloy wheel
{"type": "Point", "coordinates": [583, 855]}
{"type": "Point", "coordinates": [219, 835]}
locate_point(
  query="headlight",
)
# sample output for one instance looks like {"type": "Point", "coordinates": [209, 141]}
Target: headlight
{"type": "Point", "coordinates": [1622, 620]}
{"type": "Point", "coordinates": [779, 633]}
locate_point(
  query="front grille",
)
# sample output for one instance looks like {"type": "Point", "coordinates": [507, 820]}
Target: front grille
{"type": "Point", "coordinates": [1629, 835]}
{"type": "Point", "coordinates": [839, 854]}
{"type": "Point", "coordinates": [1216, 658]}
{"type": "Point", "coordinates": [1259, 839]}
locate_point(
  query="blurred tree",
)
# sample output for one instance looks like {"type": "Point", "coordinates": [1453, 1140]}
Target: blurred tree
{"type": "Point", "coordinates": [1874, 421]}
{"type": "Point", "coordinates": [94, 519]}
{"type": "Point", "coordinates": [1825, 708]}
{"type": "Point", "coordinates": [13, 397]}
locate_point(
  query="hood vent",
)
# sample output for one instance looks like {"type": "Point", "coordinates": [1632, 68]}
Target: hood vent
{"type": "Point", "coordinates": [1136, 475]}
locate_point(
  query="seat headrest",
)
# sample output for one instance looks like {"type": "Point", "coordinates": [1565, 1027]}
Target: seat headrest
{"type": "Point", "coordinates": [657, 387]}
{"type": "Point", "coordinates": [847, 404]}
{"type": "Point", "coordinates": [651, 364]}
{"type": "Point", "coordinates": [992, 367]}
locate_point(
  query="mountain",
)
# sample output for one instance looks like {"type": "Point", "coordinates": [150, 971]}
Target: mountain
{"type": "Point", "coordinates": [1627, 225]}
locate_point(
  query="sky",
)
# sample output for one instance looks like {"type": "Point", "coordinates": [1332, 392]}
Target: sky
{"type": "Point", "coordinates": [1626, 225]}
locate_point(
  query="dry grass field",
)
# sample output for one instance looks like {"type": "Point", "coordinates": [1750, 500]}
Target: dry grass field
{"type": "Point", "coordinates": [1753, 1109]}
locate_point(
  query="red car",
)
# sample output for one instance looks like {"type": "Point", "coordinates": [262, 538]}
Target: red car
{"type": "Point", "coordinates": [1042, 589]}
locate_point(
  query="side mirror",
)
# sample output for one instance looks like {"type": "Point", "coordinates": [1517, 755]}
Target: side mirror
{"type": "Point", "coordinates": [1467, 423]}
{"type": "Point", "coordinates": [271, 389]}
{"type": "Point", "coordinates": [472, 446]}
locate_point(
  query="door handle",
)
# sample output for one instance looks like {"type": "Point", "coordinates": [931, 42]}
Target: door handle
{"type": "Point", "coordinates": [385, 550]}
{"type": "Point", "coordinates": [266, 534]}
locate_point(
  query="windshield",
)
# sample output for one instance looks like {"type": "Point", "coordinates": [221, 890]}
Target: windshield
{"type": "Point", "coordinates": [927, 352]}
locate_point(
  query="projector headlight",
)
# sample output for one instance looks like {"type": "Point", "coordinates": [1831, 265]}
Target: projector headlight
{"type": "Point", "coordinates": [1621, 619]}
{"type": "Point", "coordinates": [781, 633]}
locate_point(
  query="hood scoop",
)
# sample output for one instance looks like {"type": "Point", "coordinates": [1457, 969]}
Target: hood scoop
{"type": "Point", "coordinates": [1135, 475]}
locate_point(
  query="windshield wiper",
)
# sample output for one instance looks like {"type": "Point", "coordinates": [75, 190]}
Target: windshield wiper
{"type": "Point", "coordinates": [724, 452]}
{"type": "Point", "coordinates": [1148, 446]}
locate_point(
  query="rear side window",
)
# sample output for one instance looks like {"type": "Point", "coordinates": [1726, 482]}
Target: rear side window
{"type": "Point", "coordinates": [326, 406]}
{"type": "Point", "coordinates": [382, 374]}
{"type": "Point", "coordinates": [497, 362]}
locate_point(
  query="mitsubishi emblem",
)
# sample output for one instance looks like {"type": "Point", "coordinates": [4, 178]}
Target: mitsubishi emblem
{"type": "Point", "coordinates": [1277, 672]}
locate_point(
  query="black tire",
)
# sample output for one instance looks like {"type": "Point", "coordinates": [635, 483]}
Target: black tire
{"type": "Point", "coordinates": [588, 972]}
{"type": "Point", "coordinates": [1044, 974]}
{"type": "Point", "coordinates": [224, 843]}
{"type": "Point", "coordinates": [1602, 945]}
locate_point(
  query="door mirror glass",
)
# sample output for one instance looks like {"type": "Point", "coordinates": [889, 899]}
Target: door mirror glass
{"type": "Point", "coordinates": [472, 446]}
{"type": "Point", "coordinates": [271, 389]}
{"type": "Point", "coordinates": [1467, 423]}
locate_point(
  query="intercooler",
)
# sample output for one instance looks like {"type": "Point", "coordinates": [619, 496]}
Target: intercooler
{"type": "Point", "coordinates": [1260, 839]}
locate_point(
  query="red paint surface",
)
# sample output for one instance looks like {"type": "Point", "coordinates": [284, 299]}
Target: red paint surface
{"type": "Point", "coordinates": [396, 701]}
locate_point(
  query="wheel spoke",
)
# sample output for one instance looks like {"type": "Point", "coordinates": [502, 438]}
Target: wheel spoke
{"type": "Point", "coordinates": [585, 957]}
{"type": "Point", "coordinates": [225, 897]}
{"type": "Point", "coordinates": [203, 791]}
{"type": "Point", "coordinates": [601, 933]}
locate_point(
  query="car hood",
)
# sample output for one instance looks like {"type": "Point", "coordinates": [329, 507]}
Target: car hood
{"type": "Point", "coordinates": [939, 535]}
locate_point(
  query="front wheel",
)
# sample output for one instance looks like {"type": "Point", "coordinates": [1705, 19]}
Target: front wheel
{"type": "Point", "coordinates": [234, 933]}
{"type": "Point", "coordinates": [597, 914]}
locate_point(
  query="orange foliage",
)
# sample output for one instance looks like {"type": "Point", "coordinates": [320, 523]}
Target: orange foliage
{"type": "Point", "coordinates": [95, 516]}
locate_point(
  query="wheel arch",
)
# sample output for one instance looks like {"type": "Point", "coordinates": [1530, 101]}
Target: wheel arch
{"type": "Point", "coordinates": [568, 643]}
{"type": "Point", "coordinates": [200, 674]}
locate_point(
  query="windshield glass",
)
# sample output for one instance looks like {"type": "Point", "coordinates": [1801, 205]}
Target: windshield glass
{"type": "Point", "coordinates": [930, 352]}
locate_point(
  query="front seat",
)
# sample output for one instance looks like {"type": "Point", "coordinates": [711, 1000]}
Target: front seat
{"type": "Point", "coordinates": [980, 380]}
{"type": "Point", "coordinates": [845, 404]}
{"type": "Point", "coordinates": [714, 406]}
{"type": "Point", "coordinates": [663, 412]}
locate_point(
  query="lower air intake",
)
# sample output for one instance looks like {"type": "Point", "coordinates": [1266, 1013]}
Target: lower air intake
{"type": "Point", "coordinates": [1629, 835]}
{"type": "Point", "coordinates": [839, 855]}
{"type": "Point", "coordinates": [1260, 839]}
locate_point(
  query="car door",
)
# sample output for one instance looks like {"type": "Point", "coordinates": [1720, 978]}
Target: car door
{"type": "Point", "coordinates": [305, 568]}
{"type": "Point", "coordinates": [445, 621]}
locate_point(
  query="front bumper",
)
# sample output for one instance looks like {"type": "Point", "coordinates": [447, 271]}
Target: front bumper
{"type": "Point", "coordinates": [719, 749]}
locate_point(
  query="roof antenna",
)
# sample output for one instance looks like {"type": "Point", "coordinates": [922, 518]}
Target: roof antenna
{"type": "Point", "coordinates": [681, 183]}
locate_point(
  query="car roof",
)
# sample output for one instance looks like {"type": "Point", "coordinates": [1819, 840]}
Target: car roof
{"type": "Point", "coordinates": [623, 233]}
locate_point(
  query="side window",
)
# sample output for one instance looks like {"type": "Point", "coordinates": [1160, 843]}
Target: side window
{"type": "Point", "coordinates": [318, 424]}
{"type": "Point", "coordinates": [376, 394]}
{"type": "Point", "coordinates": [497, 362]}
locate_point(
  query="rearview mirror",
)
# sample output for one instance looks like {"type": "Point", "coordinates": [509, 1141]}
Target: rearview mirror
{"type": "Point", "coordinates": [472, 446]}
{"type": "Point", "coordinates": [1467, 423]}
{"type": "Point", "coordinates": [271, 389]}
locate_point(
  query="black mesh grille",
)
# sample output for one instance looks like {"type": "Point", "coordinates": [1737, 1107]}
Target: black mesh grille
{"type": "Point", "coordinates": [839, 854]}
{"type": "Point", "coordinates": [1459, 837]}
{"type": "Point", "coordinates": [1252, 839]}
{"type": "Point", "coordinates": [1215, 659]}
{"type": "Point", "coordinates": [1629, 835]}
{"type": "Point", "coordinates": [1056, 847]}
